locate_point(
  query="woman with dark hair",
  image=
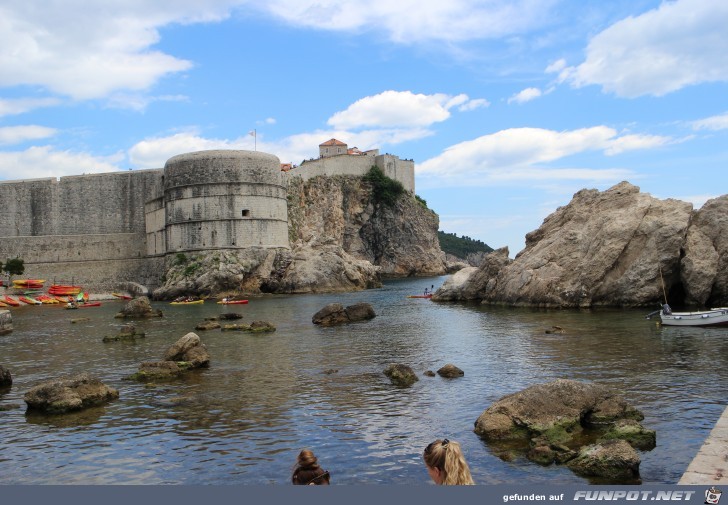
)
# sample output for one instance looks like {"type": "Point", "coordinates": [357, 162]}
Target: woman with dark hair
{"type": "Point", "coordinates": [446, 464]}
{"type": "Point", "coordinates": [307, 471]}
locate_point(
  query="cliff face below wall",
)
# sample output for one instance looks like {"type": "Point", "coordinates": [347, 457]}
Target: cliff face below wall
{"type": "Point", "coordinates": [609, 249]}
{"type": "Point", "coordinates": [341, 240]}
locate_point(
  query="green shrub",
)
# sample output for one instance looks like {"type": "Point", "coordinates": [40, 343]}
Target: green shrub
{"type": "Point", "coordinates": [180, 259]}
{"type": "Point", "coordinates": [384, 190]}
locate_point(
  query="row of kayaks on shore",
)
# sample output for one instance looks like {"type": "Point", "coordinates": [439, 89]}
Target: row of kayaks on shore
{"type": "Point", "coordinates": [80, 300]}
{"type": "Point", "coordinates": [201, 301]}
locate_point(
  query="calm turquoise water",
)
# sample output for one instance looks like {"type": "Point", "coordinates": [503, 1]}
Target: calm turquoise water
{"type": "Point", "coordinates": [265, 397]}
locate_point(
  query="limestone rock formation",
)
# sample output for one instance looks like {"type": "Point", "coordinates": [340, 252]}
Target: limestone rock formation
{"type": "Point", "coordinates": [401, 375]}
{"type": "Point", "coordinates": [704, 266]}
{"type": "Point", "coordinates": [189, 349]}
{"type": "Point", "coordinates": [68, 394]}
{"type": "Point", "coordinates": [335, 313]}
{"type": "Point", "coordinates": [187, 353]}
{"type": "Point", "coordinates": [609, 248]}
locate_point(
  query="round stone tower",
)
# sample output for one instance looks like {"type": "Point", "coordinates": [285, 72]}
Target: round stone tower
{"type": "Point", "coordinates": [224, 199]}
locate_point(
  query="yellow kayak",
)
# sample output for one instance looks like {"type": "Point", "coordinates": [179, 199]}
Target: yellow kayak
{"type": "Point", "coordinates": [193, 302]}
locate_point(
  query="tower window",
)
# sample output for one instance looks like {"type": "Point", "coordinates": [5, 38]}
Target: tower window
{"type": "Point", "coordinates": [246, 212]}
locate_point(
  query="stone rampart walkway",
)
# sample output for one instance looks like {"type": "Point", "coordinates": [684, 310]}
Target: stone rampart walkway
{"type": "Point", "coordinates": [710, 465]}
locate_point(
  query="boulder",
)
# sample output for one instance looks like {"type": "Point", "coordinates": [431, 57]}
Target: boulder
{"type": "Point", "coordinates": [189, 349]}
{"type": "Point", "coordinates": [401, 375]}
{"type": "Point", "coordinates": [138, 308]}
{"type": "Point", "coordinates": [6, 322]}
{"type": "Point", "coordinates": [68, 394]}
{"type": "Point", "coordinates": [557, 409]}
{"type": "Point", "coordinates": [230, 316]}
{"type": "Point", "coordinates": [614, 460]}
{"type": "Point", "coordinates": [450, 371]}
{"type": "Point", "coordinates": [332, 314]}
{"type": "Point", "coordinates": [554, 419]}
{"type": "Point", "coordinates": [335, 313]}
{"type": "Point", "coordinates": [6, 379]}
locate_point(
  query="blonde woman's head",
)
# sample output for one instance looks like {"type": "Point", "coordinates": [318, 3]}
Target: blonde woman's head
{"type": "Point", "coordinates": [446, 464]}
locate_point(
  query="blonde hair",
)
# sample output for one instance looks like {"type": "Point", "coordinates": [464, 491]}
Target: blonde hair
{"type": "Point", "coordinates": [307, 471]}
{"type": "Point", "coordinates": [448, 458]}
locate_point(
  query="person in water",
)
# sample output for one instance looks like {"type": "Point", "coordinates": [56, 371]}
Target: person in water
{"type": "Point", "coordinates": [446, 464]}
{"type": "Point", "coordinates": [308, 472]}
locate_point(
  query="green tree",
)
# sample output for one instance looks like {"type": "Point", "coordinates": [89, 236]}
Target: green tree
{"type": "Point", "coordinates": [461, 246]}
{"type": "Point", "coordinates": [14, 266]}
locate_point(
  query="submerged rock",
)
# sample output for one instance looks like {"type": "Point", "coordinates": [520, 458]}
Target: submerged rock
{"type": "Point", "coordinates": [401, 375]}
{"type": "Point", "coordinates": [615, 460]}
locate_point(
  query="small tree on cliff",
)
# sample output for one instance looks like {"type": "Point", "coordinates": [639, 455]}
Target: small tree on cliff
{"type": "Point", "coordinates": [384, 189]}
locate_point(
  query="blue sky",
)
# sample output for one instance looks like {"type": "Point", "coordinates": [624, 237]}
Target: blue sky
{"type": "Point", "coordinates": [508, 107]}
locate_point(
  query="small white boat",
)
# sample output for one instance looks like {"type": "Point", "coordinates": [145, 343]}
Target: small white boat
{"type": "Point", "coordinates": [712, 317]}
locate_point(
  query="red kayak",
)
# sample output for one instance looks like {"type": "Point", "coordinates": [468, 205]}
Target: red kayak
{"type": "Point", "coordinates": [89, 304]}
{"type": "Point", "coordinates": [233, 302]}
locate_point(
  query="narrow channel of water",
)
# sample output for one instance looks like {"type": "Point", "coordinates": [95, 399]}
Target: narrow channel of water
{"type": "Point", "coordinates": [265, 397]}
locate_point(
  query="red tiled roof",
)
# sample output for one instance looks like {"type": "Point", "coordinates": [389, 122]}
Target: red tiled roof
{"type": "Point", "coordinates": [333, 142]}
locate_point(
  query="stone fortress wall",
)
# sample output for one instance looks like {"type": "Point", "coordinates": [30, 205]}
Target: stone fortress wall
{"type": "Point", "coordinates": [104, 230]}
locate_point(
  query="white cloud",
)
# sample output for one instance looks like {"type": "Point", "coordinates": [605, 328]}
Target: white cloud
{"type": "Point", "coordinates": [18, 134]}
{"type": "Point", "coordinates": [678, 44]}
{"type": "Point", "coordinates": [44, 161]}
{"type": "Point", "coordinates": [525, 95]}
{"type": "Point", "coordinates": [634, 142]}
{"type": "Point", "coordinates": [401, 109]}
{"type": "Point", "coordinates": [90, 50]}
{"type": "Point", "coordinates": [154, 152]}
{"type": "Point", "coordinates": [521, 154]}
{"type": "Point", "coordinates": [140, 101]}
{"type": "Point", "coordinates": [719, 122]}
{"type": "Point", "coordinates": [413, 21]}
{"type": "Point", "coordinates": [476, 103]}
{"type": "Point", "coordinates": [21, 105]}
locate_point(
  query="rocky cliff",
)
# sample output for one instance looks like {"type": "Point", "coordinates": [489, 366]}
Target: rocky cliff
{"type": "Point", "coordinates": [610, 248]}
{"type": "Point", "coordinates": [341, 238]}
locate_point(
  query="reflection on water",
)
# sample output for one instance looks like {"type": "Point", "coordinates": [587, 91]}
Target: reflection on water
{"type": "Point", "coordinates": [265, 397]}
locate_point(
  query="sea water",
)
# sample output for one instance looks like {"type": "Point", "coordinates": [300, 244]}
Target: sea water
{"type": "Point", "coordinates": [267, 396]}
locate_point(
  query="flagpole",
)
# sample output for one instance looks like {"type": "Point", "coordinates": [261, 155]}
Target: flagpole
{"type": "Point", "coordinates": [255, 138]}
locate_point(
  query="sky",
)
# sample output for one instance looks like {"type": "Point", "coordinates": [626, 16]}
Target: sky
{"type": "Point", "coordinates": [507, 107]}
